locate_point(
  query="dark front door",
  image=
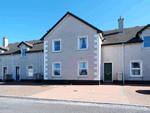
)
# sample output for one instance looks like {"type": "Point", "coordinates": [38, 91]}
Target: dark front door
{"type": "Point", "coordinates": [107, 71]}
{"type": "Point", "coordinates": [17, 73]}
{"type": "Point", "coordinates": [5, 72]}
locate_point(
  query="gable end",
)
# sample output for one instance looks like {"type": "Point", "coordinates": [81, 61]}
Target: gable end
{"type": "Point", "coordinates": [68, 13]}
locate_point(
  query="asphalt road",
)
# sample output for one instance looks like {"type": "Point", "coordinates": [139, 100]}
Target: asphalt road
{"type": "Point", "coordinates": [10, 105]}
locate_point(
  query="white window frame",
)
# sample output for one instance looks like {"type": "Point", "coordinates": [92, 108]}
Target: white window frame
{"type": "Point", "coordinates": [143, 43]}
{"type": "Point", "coordinates": [141, 70]}
{"type": "Point", "coordinates": [53, 49]}
{"type": "Point", "coordinates": [22, 53]}
{"type": "Point", "coordinates": [83, 68]}
{"type": "Point", "coordinates": [56, 69]}
{"type": "Point", "coordinates": [27, 70]}
{"type": "Point", "coordinates": [79, 37]}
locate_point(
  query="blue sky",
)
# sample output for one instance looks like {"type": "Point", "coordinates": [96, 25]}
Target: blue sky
{"type": "Point", "coordinates": [30, 19]}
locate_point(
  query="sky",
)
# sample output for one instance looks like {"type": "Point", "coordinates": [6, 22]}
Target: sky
{"type": "Point", "coordinates": [24, 20]}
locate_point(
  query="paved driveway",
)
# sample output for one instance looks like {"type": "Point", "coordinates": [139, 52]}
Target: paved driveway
{"type": "Point", "coordinates": [127, 94]}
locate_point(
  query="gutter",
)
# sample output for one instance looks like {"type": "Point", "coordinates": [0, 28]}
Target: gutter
{"type": "Point", "coordinates": [123, 62]}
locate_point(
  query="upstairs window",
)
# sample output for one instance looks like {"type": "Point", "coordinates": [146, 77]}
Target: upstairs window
{"type": "Point", "coordinates": [146, 42]}
{"type": "Point", "coordinates": [23, 52]}
{"type": "Point", "coordinates": [57, 45]}
{"type": "Point", "coordinates": [82, 43]}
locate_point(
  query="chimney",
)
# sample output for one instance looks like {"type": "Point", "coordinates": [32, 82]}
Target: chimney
{"type": "Point", "coordinates": [120, 24]}
{"type": "Point", "coordinates": [5, 42]}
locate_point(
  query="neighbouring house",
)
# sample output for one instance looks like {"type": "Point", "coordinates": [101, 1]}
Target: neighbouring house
{"type": "Point", "coordinates": [75, 52]}
{"type": "Point", "coordinates": [21, 60]}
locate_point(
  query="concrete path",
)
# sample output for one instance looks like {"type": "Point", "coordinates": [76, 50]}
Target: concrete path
{"type": "Point", "coordinates": [118, 94]}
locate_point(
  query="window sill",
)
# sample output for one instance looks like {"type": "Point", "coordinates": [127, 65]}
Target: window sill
{"type": "Point", "coordinates": [23, 57]}
{"type": "Point", "coordinates": [82, 76]}
{"type": "Point", "coordinates": [135, 76]}
{"type": "Point", "coordinates": [56, 51]}
{"type": "Point", "coordinates": [82, 49]}
{"type": "Point", "coordinates": [55, 76]}
{"type": "Point", "coordinates": [30, 76]}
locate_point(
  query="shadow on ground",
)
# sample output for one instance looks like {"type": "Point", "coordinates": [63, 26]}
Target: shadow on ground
{"type": "Point", "coordinates": [22, 83]}
{"type": "Point", "coordinates": [41, 83]}
{"type": "Point", "coordinates": [146, 92]}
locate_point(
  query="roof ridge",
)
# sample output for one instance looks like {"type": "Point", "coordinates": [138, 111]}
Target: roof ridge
{"type": "Point", "coordinates": [125, 28]}
{"type": "Point", "coordinates": [22, 41]}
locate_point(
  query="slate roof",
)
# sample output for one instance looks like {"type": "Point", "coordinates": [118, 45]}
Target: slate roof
{"type": "Point", "coordinates": [37, 47]}
{"type": "Point", "coordinates": [4, 48]}
{"type": "Point", "coordinates": [98, 30]}
{"type": "Point", "coordinates": [129, 35]}
{"type": "Point", "coordinates": [26, 43]}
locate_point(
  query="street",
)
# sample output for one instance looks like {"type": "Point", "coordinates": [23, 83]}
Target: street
{"type": "Point", "coordinates": [14, 105]}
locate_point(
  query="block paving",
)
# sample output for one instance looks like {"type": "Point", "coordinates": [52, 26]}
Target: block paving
{"type": "Point", "coordinates": [119, 94]}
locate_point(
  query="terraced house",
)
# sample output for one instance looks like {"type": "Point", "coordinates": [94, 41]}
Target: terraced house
{"type": "Point", "coordinates": [75, 52]}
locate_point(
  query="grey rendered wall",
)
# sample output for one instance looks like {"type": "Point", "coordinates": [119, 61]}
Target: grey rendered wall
{"type": "Point", "coordinates": [35, 59]}
{"type": "Point", "coordinates": [5, 61]}
{"type": "Point", "coordinates": [32, 59]}
{"type": "Point", "coordinates": [113, 54]}
{"type": "Point", "coordinates": [136, 52]}
{"type": "Point", "coordinates": [68, 31]}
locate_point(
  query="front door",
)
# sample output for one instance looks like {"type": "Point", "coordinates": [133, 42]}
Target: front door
{"type": "Point", "coordinates": [4, 72]}
{"type": "Point", "coordinates": [17, 73]}
{"type": "Point", "coordinates": [107, 71]}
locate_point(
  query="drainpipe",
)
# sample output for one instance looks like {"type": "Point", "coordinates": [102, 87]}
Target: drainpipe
{"type": "Point", "coordinates": [12, 65]}
{"type": "Point", "coordinates": [123, 62]}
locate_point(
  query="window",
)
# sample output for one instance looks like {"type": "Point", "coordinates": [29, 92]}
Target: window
{"type": "Point", "coordinates": [83, 69]}
{"type": "Point", "coordinates": [82, 43]}
{"type": "Point", "coordinates": [56, 45]}
{"type": "Point", "coordinates": [56, 69]}
{"type": "Point", "coordinates": [24, 52]}
{"type": "Point", "coordinates": [136, 68]}
{"type": "Point", "coordinates": [30, 70]}
{"type": "Point", "coordinates": [146, 43]}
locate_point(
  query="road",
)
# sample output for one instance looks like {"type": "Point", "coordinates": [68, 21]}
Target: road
{"type": "Point", "coordinates": [13, 105]}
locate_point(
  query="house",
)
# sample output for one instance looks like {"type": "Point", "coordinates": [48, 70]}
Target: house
{"type": "Point", "coordinates": [22, 60]}
{"type": "Point", "coordinates": [75, 52]}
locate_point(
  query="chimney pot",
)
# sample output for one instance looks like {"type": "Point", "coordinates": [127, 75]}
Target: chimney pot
{"type": "Point", "coordinates": [5, 41]}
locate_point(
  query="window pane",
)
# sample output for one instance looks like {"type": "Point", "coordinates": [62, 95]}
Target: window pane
{"type": "Point", "coordinates": [136, 72]}
{"type": "Point", "coordinates": [136, 65]}
{"type": "Point", "coordinates": [56, 72]}
{"type": "Point", "coordinates": [29, 67]}
{"type": "Point", "coordinates": [83, 42]}
{"type": "Point", "coordinates": [57, 48]}
{"type": "Point", "coordinates": [83, 45]}
{"type": "Point", "coordinates": [146, 41]}
{"type": "Point", "coordinates": [24, 52]}
{"type": "Point", "coordinates": [56, 66]}
{"type": "Point", "coordinates": [83, 65]}
{"type": "Point", "coordinates": [82, 71]}
{"type": "Point", "coordinates": [57, 43]}
{"type": "Point", "coordinates": [30, 73]}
